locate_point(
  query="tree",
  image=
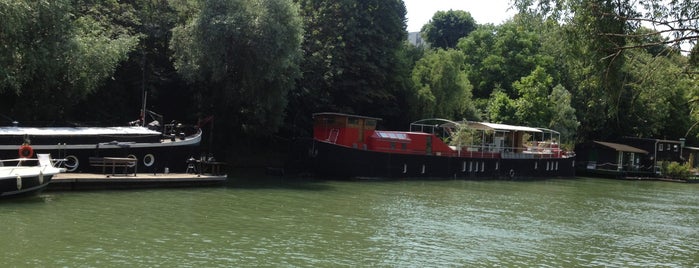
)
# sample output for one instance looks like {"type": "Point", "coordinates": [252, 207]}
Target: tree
{"type": "Point", "coordinates": [57, 52]}
{"type": "Point", "coordinates": [447, 27]}
{"type": "Point", "coordinates": [501, 55]}
{"type": "Point", "coordinates": [243, 56]}
{"type": "Point", "coordinates": [501, 108]}
{"type": "Point", "coordinates": [659, 95]}
{"type": "Point", "coordinates": [442, 87]}
{"type": "Point", "coordinates": [563, 118]}
{"type": "Point", "coordinates": [596, 60]}
{"type": "Point", "coordinates": [148, 70]}
{"type": "Point", "coordinates": [541, 104]}
{"type": "Point", "coordinates": [352, 57]}
{"type": "Point", "coordinates": [532, 106]}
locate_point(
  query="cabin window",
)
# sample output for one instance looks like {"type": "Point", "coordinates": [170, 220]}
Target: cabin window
{"type": "Point", "coordinates": [370, 123]}
{"type": "Point", "coordinates": [674, 147]}
{"type": "Point", "coordinates": [354, 122]}
{"type": "Point", "coordinates": [404, 146]}
{"type": "Point", "coordinates": [660, 147]}
{"type": "Point", "coordinates": [393, 145]}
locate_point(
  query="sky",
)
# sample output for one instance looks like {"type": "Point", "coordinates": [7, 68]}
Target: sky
{"type": "Point", "coordinates": [490, 11]}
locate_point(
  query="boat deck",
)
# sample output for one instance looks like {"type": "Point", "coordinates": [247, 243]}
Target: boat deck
{"type": "Point", "coordinates": [91, 181]}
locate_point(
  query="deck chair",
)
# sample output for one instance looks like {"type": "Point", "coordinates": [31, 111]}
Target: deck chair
{"type": "Point", "coordinates": [44, 161]}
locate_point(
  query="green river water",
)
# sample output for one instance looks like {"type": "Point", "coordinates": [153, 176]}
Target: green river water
{"type": "Point", "coordinates": [281, 223]}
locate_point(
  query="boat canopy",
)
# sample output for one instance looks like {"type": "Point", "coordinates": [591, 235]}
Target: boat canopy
{"type": "Point", "coordinates": [76, 131]}
{"type": "Point", "coordinates": [621, 147]}
{"type": "Point", "coordinates": [434, 123]}
{"type": "Point", "coordinates": [501, 127]}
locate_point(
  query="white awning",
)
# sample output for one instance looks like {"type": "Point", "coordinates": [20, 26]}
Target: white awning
{"type": "Point", "coordinates": [75, 131]}
{"type": "Point", "coordinates": [496, 127]}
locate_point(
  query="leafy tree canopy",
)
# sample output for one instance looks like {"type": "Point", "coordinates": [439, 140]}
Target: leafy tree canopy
{"type": "Point", "coordinates": [447, 27]}
{"type": "Point", "coordinates": [442, 86]}
{"type": "Point", "coordinates": [351, 56]}
{"type": "Point", "coordinates": [244, 55]}
{"type": "Point", "coordinates": [57, 52]}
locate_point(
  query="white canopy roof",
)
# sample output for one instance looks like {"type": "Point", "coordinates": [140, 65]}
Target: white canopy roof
{"type": "Point", "coordinates": [496, 126]}
{"type": "Point", "coordinates": [74, 131]}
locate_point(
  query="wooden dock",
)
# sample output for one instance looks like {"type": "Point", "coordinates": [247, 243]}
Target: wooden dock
{"type": "Point", "coordinates": [90, 181]}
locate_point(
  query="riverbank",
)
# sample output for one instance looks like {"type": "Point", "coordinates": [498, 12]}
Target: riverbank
{"type": "Point", "coordinates": [690, 180]}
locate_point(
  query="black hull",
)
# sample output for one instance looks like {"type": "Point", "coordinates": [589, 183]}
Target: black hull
{"type": "Point", "coordinates": [154, 152]}
{"type": "Point", "coordinates": [9, 188]}
{"type": "Point", "coordinates": [330, 160]}
{"type": "Point", "coordinates": [150, 159]}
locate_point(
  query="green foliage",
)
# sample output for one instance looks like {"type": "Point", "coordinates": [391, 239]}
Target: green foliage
{"type": "Point", "coordinates": [101, 42]}
{"type": "Point", "coordinates": [658, 95]}
{"type": "Point", "coordinates": [676, 170]}
{"type": "Point", "coordinates": [246, 54]}
{"type": "Point", "coordinates": [442, 87]}
{"type": "Point", "coordinates": [533, 105]}
{"type": "Point", "coordinates": [539, 104]}
{"type": "Point", "coordinates": [462, 135]}
{"type": "Point", "coordinates": [501, 108]}
{"type": "Point", "coordinates": [353, 57]}
{"type": "Point", "coordinates": [56, 52]}
{"type": "Point", "coordinates": [563, 118]}
{"type": "Point", "coordinates": [501, 55]}
{"type": "Point", "coordinates": [447, 27]}
{"type": "Point", "coordinates": [610, 94]}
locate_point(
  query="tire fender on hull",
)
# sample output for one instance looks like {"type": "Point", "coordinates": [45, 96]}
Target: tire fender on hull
{"type": "Point", "coordinates": [71, 163]}
{"type": "Point", "coordinates": [148, 160]}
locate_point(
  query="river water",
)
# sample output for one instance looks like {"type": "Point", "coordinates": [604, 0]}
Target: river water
{"type": "Point", "coordinates": [277, 222]}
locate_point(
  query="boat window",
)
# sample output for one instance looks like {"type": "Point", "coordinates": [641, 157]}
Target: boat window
{"type": "Point", "coordinates": [353, 122]}
{"type": "Point", "coordinates": [660, 147]}
{"type": "Point", "coordinates": [370, 123]}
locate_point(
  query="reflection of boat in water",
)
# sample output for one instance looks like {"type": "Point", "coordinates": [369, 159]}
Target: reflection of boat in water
{"type": "Point", "coordinates": [154, 147]}
{"type": "Point", "coordinates": [350, 146]}
{"type": "Point", "coordinates": [18, 177]}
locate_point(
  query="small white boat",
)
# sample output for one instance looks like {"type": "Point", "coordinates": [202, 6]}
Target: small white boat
{"type": "Point", "coordinates": [26, 176]}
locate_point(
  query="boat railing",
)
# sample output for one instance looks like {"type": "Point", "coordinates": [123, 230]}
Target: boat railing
{"type": "Point", "coordinates": [594, 165]}
{"type": "Point", "coordinates": [19, 161]}
{"type": "Point", "coordinates": [22, 162]}
{"type": "Point", "coordinates": [493, 151]}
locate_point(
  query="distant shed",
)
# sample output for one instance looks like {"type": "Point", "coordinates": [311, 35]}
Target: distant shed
{"type": "Point", "coordinates": [609, 156]}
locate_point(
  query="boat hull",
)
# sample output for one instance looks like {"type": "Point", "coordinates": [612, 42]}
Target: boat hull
{"type": "Point", "coordinates": [332, 160]}
{"type": "Point", "coordinates": [17, 186]}
{"type": "Point", "coordinates": [152, 156]}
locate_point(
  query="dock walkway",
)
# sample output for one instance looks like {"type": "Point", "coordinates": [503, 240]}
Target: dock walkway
{"type": "Point", "coordinates": [91, 181]}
